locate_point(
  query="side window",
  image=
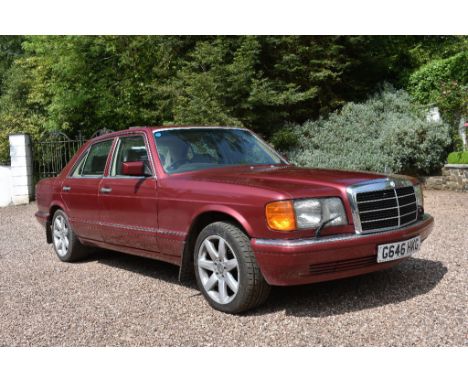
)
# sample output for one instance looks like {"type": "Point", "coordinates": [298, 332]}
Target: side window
{"type": "Point", "coordinates": [95, 161]}
{"type": "Point", "coordinates": [130, 149]}
{"type": "Point", "coordinates": [79, 166]}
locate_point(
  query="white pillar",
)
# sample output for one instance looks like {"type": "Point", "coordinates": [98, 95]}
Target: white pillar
{"type": "Point", "coordinates": [5, 186]}
{"type": "Point", "coordinates": [462, 132]}
{"type": "Point", "coordinates": [21, 168]}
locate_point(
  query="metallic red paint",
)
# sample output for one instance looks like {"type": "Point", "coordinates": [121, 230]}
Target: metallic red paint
{"type": "Point", "coordinates": [152, 216]}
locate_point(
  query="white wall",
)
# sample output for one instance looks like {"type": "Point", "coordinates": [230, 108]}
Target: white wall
{"type": "Point", "coordinates": [21, 168]}
{"type": "Point", "coordinates": [5, 186]}
{"type": "Point", "coordinates": [16, 181]}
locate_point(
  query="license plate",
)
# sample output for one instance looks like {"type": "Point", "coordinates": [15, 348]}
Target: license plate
{"type": "Point", "coordinates": [395, 251]}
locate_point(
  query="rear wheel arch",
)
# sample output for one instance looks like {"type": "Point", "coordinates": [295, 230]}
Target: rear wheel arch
{"type": "Point", "coordinates": [65, 242]}
{"type": "Point", "coordinates": [198, 224]}
{"type": "Point", "coordinates": [52, 210]}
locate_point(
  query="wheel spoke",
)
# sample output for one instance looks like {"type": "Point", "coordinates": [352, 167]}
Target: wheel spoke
{"type": "Point", "coordinates": [206, 264]}
{"type": "Point", "coordinates": [211, 250]}
{"type": "Point", "coordinates": [58, 223]}
{"type": "Point", "coordinates": [67, 242]}
{"type": "Point", "coordinates": [211, 282]}
{"type": "Point", "coordinates": [231, 282]}
{"type": "Point", "coordinates": [222, 289]}
{"type": "Point", "coordinates": [222, 249]}
{"type": "Point", "coordinates": [230, 264]}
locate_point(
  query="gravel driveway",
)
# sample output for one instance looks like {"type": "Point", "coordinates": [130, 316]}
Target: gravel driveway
{"type": "Point", "coordinates": [117, 299]}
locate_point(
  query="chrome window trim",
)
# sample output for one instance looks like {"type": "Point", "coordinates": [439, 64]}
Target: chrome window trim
{"type": "Point", "coordinates": [86, 153]}
{"type": "Point", "coordinates": [83, 157]}
{"type": "Point", "coordinates": [389, 183]}
{"type": "Point", "coordinates": [127, 177]}
{"type": "Point", "coordinates": [198, 127]}
{"type": "Point", "coordinates": [148, 150]}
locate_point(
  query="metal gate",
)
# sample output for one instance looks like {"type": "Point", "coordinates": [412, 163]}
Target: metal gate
{"type": "Point", "coordinates": [54, 150]}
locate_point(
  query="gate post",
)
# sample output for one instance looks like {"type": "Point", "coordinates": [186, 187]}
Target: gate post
{"type": "Point", "coordinates": [21, 168]}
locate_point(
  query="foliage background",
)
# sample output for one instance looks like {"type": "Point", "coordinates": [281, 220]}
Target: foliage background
{"type": "Point", "coordinates": [384, 134]}
{"type": "Point", "coordinates": [85, 83]}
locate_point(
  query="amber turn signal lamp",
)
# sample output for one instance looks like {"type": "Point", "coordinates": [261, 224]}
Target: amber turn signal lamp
{"type": "Point", "coordinates": [280, 216]}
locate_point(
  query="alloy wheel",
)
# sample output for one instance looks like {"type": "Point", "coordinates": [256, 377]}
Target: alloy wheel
{"type": "Point", "coordinates": [61, 235]}
{"type": "Point", "coordinates": [218, 269]}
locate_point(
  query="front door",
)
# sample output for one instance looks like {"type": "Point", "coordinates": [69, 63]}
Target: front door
{"type": "Point", "coordinates": [129, 217]}
{"type": "Point", "coordinates": [80, 191]}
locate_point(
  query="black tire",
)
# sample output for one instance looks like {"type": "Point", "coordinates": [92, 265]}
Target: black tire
{"type": "Point", "coordinates": [252, 288]}
{"type": "Point", "coordinates": [75, 250]}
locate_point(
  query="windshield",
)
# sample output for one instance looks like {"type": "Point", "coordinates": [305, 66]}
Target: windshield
{"type": "Point", "coordinates": [182, 150]}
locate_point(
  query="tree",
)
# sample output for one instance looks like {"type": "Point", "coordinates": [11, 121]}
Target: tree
{"type": "Point", "coordinates": [85, 83]}
{"type": "Point", "coordinates": [444, 83]}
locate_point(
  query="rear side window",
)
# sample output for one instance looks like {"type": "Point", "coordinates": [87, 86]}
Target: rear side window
{"type": "Point", "coordinates": [95, 162]}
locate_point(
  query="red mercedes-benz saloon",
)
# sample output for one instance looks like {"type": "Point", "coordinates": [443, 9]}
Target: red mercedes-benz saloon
{"type": "Point", "coordinates": [223, 205]}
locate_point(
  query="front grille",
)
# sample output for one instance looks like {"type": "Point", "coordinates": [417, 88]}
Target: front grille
{"type": "Point", "coordinates": [386, 209]}
{"type": "Point", "coordinates": [341, 265]}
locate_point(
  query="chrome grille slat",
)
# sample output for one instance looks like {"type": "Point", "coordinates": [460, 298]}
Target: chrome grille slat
{"type": "Point", "coordinates": [375, 200]}
{"type": "Point", "coordinates": [409, 213]}
{"type": "Point", "coordinates": [383, 204]}
{"type": "Point", "coordinates": [378, 220]}
{"type": "Point", "coordinates": [404, 205]}
{"type": "Point", "coordinates": [379, 209]}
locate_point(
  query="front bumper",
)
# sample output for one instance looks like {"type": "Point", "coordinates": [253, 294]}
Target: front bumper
{"type": "Point", "coordinates": [306, 261]}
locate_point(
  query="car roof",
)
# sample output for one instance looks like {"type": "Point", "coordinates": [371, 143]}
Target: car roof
{"type": "Point", "coordinates": [134, 129]}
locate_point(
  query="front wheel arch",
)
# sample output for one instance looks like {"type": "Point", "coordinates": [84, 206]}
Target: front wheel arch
{"type": "Point", "coordinates": [226, 270]}
{"type": "Point", "coordinates": [186, 272]}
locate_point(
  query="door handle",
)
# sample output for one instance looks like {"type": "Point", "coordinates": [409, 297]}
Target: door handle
{"type": "Point", "coordinates": [106, 190]}
{"type": "Point", "coordinates": [66, 188]}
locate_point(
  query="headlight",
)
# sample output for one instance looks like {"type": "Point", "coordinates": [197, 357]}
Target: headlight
{"type": "Point", "coordinates": [311, 213]}
{"type": "Point", "coordinates": [305, 213]}
{"type": "Point", "coordinates": [419, 195]}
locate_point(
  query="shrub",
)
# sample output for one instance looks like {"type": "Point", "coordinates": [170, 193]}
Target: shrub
{"type": "Point", "coordinates": [458, 157]}
{"type": "Point", "coordinates": [444, 83]}
{"type": "Point", "coordinates": [385, 133]}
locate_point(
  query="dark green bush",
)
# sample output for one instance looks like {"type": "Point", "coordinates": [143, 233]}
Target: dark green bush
{"type": "Point", "coordinates": [385, 133]}
{"type": "Point", "coordinates": [458, 157]}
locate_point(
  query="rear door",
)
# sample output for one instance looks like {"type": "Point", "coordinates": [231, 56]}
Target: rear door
{"type": "Point", "coordinates": [129, 217]}
{"type": "Point", "coordinates": [80, 190]}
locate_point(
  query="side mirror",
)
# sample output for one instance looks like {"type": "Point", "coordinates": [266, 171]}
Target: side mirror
{"type": "Point", "coordinates": [133, 168]}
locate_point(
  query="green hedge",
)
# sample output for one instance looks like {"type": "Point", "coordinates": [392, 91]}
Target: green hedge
{"type": "Point", "coordinates": [387, 133]}
{"type": "Point", "coordinates": [458, 157]}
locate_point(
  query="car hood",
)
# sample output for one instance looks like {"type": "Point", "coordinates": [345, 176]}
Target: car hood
{"type": "Point", "coordinates": [296, 181]}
